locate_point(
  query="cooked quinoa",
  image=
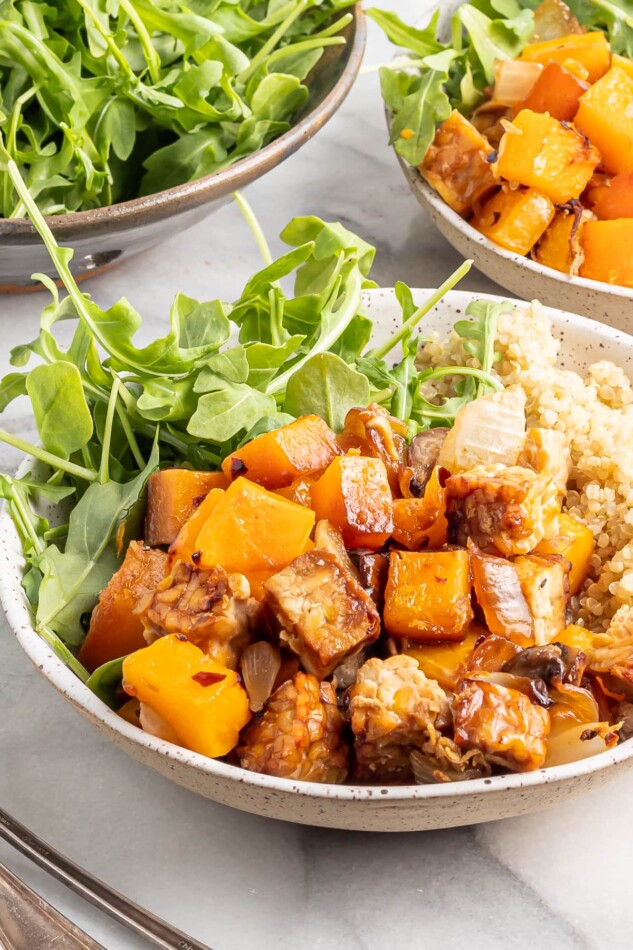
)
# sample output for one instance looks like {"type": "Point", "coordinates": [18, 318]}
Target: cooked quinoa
{"type": "Point", "coordinates": [596, 416]}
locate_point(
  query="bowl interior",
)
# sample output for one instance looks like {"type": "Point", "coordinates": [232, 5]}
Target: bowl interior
{"type": "Point", "coordinates": [581, 342]}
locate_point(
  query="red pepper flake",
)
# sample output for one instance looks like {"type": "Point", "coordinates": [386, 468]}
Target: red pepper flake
{"type": "Point", "coordinates": [182, 637]}
{"type": "Point", "coordinates": [441, 580]}
{"type": "Point", "coordinates": [443, 476]}
{"type": "Point", "coordinates": [206, 678]}
{"type": "Point", "coordinates": [238, 467]}
{"type": "Point", "coordinates": [198, 501]}
{"type": "Point", "coordinates": [195, 557]}
{"type": "Point", "coordinates": [611, 739]}
{"type": "Point", "coordinates": [587, 735]}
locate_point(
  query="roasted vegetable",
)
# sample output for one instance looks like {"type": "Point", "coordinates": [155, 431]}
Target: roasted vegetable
{"type": "Point", "coordinates": [574, 541]}
{"type": "Point", "coordinates": [275, 459]}
{"type": "Point", "coordinates": [210, 608]}
{"type": "Point", "coordinates": [299, 735]}
{"type": "Point", "coordinates": [444, 662]}
{"type": "Point", "coordinates": [557, 92]}
{"type": "Point", "coordinates": [591, 50]}
{"type": "Point", "coordinates": [488, 430]}
{"type": "Point", "coordinates": [421, 522]}
{"type": "Point", "coordinates": [199, 699]}
{"type": "Point", "coordinates": [543, 579]}
{"type": "Point", "coordinates": [376, 433]}
{"type": "Point", "coordinates": [323, 613]}
{"type": "Point", "coordinates": [571, 743]}
{"type": "Point", "coordinates": [605, 116]}
{"type": "Point", "coordinates": [553, 663]}
{"type": "Point", "coordinates": [613, 198]}
{"type": "Point", "coordinates": [498, 592]}
{"type": "Point", "coordinates": [354, 495]}
{"type": "Point", "coordinates": [115, 629]}
{"type": "Point", "coordinates": [515, 219]}
{"type": "Point", "coordinates": [253, 531]}
{"type": "Point", "coordinates": [456, 164]}
{"type": "Point", "coordinates": [299, 490]}
{"type": "Point", "coordinates": [428, 595]}
{"type": "Point", "coordinates": [557, 247]}
{"type": "Point", "coordinates": [503, 724]}
{"type": "Point", "coordinates": [260, 664]}
{"type": "Point", "coordinates": [579, 638]}
{"type": "Point", "coordinates": [546, 452]}
{"type": "Point", "coordinates": [172, 496]}
{"type": "Point", "coordinates": [422, 457]}
{"type": "Point", "coordinates": [373, 570]}
{"type": "Point", "coordinates": [554, 20]}
{"type": "Point", "coordinates": [510, 509]}
{"type": "Point", "coordinates": [393, 710]}
{"type": "Point", "coordinates": [608, 250]}
{"type": "Point", "coordinates": [549, 156]}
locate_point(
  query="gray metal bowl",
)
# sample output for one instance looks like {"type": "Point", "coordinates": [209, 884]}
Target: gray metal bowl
{"type": "Point", "coordinates": [103, 237]}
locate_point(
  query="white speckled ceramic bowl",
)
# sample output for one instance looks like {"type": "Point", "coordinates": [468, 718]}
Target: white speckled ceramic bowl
{"type": "Point", "coordinates": [520, 275]}
{"type": "Point", "coordinates": [367, 808]}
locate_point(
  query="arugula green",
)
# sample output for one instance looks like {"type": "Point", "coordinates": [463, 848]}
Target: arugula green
{"type": "Point", "coordinates": [109, 412]}
{"type": "Point", "coordinates": [437, 75]}
{"type": "Point", "coordinates": [103, 101]}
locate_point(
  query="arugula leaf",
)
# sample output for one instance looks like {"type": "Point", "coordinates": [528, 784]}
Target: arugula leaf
{"type": "Point", "coordinates": [416, 112]}
{"type": "Point", "coordinates": [328, 386]}
{"type": "Point", "coordinates": [423, 42]}
{"type": "Point", "coordinates": [61, 412]}
{"type": "Point", "coordinates": [223, 413]}
{"type": "Point", "coordinates": [106, 680]}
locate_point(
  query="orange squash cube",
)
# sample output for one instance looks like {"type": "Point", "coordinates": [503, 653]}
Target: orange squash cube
{"type": "Point", "coordinates": [185, 545]}
{"type": "Point", "coordinates": [171, 497]}
{"type": "Point", "coordinates": [608, 251]}
{"type": "Point", "coordinates": [253, 531]}
{"type": "Point", "coordinates": [428, 595]}
{"type": "Point", "coordinates": [605, 116]}
{"type": "Point", "coordinates": [115, 629]}
{"type": "Point", "coordinates": [444, 662]}
{"type": "Point", "coordinates": [557, 92]}
{"type": "Point", "coordinates": [590, 49]}
{"type": "Point", "coordinates": [613, 198]}
{"type": "Point", "coordinates": [577, 637]}
{"type": "Point", "coordinates": [421, 522]}
{"type": "Point", "coordinates": [555, 247]}
{"type": "Point", "coordinates": [354, 495]}
{"type": "Point", "coordinates": [623, 63]}
{"type": "Point", "coordinates": [275, 459]}
{"type": "Point", "coordinates": [200, 700]}
{"type": "Point", "coordinates": [299, 490]}
{"type": "Point", "coordinates": [543, 153]}
{"type": "Point", "coordinates": [515, 220]}
{"type": "Point", "coordinates": [574, 541]}
{"type": "Point", "coordinates": [456, 163]}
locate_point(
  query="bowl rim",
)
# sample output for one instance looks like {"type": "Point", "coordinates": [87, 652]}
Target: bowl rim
{"type": "Point", "coordinates": [13, 601]}
{"type": "Point", "coordinates": [218, 184]}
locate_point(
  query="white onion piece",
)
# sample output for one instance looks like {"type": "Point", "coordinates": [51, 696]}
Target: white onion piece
{"type": "Point", "coordinates": [488, 431]}
{"type": "Point", "coordinates": [153, 723]}
{"type": "Point", "coordinates": [259, 668]}
{"type": "Point", "coordinates": [514, 81]}
{"type": "Point", "coordinates": [567, 746]}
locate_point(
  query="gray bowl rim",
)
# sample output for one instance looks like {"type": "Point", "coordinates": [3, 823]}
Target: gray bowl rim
{"type": "Point", "coordinates": [193, 194]}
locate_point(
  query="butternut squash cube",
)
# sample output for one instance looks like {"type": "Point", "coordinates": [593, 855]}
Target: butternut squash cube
{"type": "Point", "coordinates": [115, 629]}
{"type": "Point", "coordinates": [555, 247]}
{"type": "Point", "coordinates": [199, 699]}
{"type": "Point", "coordinates": [605, 115]}
{"type": "Point", "coordinates": [428, 595]}
{"type": "Point", "coordinates": [185, 545]}
{"type": "Point", "coordinates": [515, 220]}
{"type": "Point", "coordinates": [354, 495]}
{"type": "Point", "coordinates": [579, 638]}
{"type": "Point", "coordinates": [456, 163]}
{"type": "Point", "coordinates": [299, 490]}
{"type": "Point", "coordinates": [623, 63]}
{"type": "Point", "coordinates": [613, 198]}
{"type": "Point", "coordinates": [557, 92]}
{"type": "Point", "coordinates": [253, 531]}
{"type": "Point", "coordinates": [275, 459]}
{"type": "Point", "coordinates": [550, 156]}
{"type": "Point", "coordinates": [590, 49]}
{"type": "Point", "coordinates": [444, 662]}
{"type": "Point", "coordinates": [171, 497]}
{"type": "Point", "coordinates": [421, 522]}
{"type": "Point", "coordinates": [608, 251]}
{"type": "Point", "coordinates": [574, 541]}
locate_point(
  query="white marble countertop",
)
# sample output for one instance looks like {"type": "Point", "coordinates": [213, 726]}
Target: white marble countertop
{"type": "Point", "coordinates": [558, 880]}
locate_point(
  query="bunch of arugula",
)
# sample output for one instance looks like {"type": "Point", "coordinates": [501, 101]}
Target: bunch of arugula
{"type": "Point", "coordinates": [108, 412]}
{"type": "Point", "coordinates": [102, 100]}
{"type": "Point", "coordinates": [421, 87]}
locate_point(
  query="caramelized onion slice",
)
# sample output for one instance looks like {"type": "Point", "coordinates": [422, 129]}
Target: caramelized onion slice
{"type": "Point", "coordinates": [260, 665]}
{"type": "Point", "coordinates": [578, 741]}
{"type": "Point", "coordinates": [155, 725]}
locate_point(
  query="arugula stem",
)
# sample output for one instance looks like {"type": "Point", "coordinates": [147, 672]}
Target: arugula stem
{"type": "Point", "coordinates": [149, 51]}
{"type": "Point", "coordinates": [61, 650]}
{"type": "Point", "coordinates": [27, 523]}
{"type": "Point", "coordinates": [379, 352]}
{"type": "Point", "coordinates": [129, 434]}
{"type": "Point", "coordinates": [88, 475]}
{"type": "Point", "coordinates": [479, 374]}
{"type": "Point", "coordinates": [53, 533]}
{"type": "Point", "coordinates": [107, 37]}
{"type": "Point", "coordinates": [254, 225]}
{"type": "Point", "coordinates": [272, 41]}
{"type": "Point", "coordinates": [104, 467]}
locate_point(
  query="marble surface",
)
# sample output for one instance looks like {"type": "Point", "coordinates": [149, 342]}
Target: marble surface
{"type": "Point", "coordinates": [559, 880]}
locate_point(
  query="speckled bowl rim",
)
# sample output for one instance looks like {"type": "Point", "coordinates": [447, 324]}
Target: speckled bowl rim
{"type": "Point", "coordinates": [427, 196]}
{"type": "Point", "coordinates": [219, 184]}
{"type": "Point", "coordinates": [15, 605]}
